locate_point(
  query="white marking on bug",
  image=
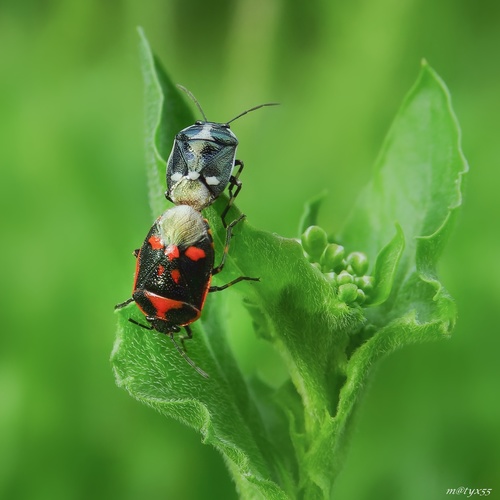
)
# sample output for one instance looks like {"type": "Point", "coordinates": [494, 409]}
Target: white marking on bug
{"type": "Point", "coordinates": [205, 133]}
{"type": "Point", "coordinates": [177, 176]}
{"type": "Point", "coordinates": [212, 181]}
{"type": "Point", "coordinates": [193, 175]}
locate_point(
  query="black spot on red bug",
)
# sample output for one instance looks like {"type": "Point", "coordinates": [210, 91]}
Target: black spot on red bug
{"type": "Point", "coordinates": [176, 275]}
{"type": "Point", "coordinates": [195, 253]}
{"type": "Point", "coordinates": [160, 270]}
{"type": "Point", "coordinates": [155, 242]}
{"type": "Point", "coordinates": [172, 252]}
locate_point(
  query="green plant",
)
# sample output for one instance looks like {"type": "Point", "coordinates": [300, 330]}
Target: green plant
{"type": "Point", "coordinates": [327, 317]}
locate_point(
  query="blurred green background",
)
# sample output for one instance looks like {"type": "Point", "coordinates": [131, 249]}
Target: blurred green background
{"type": "Point", "coordinates": [74, 204]}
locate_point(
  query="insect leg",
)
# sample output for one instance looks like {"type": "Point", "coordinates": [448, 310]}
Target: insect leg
{"type": "Point", "coordinates": [188, 336]}
{"type": "Point", "coordinates": [229, 235]}
{"type": "Point", "coordinates": [218, 269]}
{"type": "Point", "coordinates": [146, 327]}
{"type": "Point", "coordinates": [231, 283]}
{"type": "Point", "coordinates": [123, 304]}
{"type": "Point", "coordinates": [233, 181]}
{"type": "Point", "coordinates": [182, 351]}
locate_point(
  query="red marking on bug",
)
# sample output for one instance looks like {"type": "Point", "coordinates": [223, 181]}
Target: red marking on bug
{"type": "Point", "coordinates": [155, 242]}
{"type": "Point", "coordinates": [160, 270]}
{"type": "Point", "coordinates": [163, 304]}
{"type": "Point", "coordinates": [195, 253]}
{"type": "Point", "coordinates": [172, 252]}
{"type": "Point", "coordinates": [176, 275]}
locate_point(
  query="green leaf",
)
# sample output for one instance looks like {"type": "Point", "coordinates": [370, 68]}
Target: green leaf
{"type": "Point", "coordinates": [418, 173]}
{"type": "Point", "coordinates": [416, 184]}
{"type": "Point", "coordinates": [148, 366]}
{"type": "Point", "coordinates": [166, 115]}
{"type": "Point", "coordinates": [386, 267]}
{"type": "Point", "coordinates": [289, 443]}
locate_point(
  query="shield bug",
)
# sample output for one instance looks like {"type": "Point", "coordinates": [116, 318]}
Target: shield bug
{"type": "Point", "coordinates": [174, 270]}
{"type": "Point", "coordinates": [202, 160]}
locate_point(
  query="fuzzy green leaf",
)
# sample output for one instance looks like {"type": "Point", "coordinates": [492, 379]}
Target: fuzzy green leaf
{"type": "Point", "coordinates": [148, 366]}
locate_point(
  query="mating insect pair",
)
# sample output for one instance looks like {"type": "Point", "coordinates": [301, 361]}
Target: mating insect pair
{"type": "Point", "coordinates": [175, 264]}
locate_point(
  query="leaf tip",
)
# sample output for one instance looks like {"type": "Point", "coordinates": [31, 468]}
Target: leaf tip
{"type": "Point", "coordinates": [143, 40]}
{"type": "Point", "coordinates": [311, 209]}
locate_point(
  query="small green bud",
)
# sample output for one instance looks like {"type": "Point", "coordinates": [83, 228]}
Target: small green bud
{"type": "Point", "coordinates": [348, 293]}
{"type": "Point", "coordinates": [332, 257]}
{"type": "Point", "coordinates": [361, 296]}
{"type": "Point", "coordinates": [359, 263]}
{"type": "Point", "coordinates": [314, 241]}
{"type": "Point", "coordinates": [344, 277]}
{"type": "Point", "coordinates": [365, 283]}
{"type": "Point", "coordinates": [331, 277]}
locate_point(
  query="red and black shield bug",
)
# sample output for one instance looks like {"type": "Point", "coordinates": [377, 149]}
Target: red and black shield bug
{"type": "Point", "coordinates": [174, 270]}
{"type": "Point", "coordinates": [202, 161]}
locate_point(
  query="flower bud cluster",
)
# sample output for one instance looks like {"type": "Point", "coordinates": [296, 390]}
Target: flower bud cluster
{"type": "Point", "coordinates": [347, 273]}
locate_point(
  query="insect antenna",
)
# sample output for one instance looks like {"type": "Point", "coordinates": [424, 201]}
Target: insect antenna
{"type": "Point", "coordinates": [187, 358]}
{"type": "Point", "coordinates": [193, 98]}
{"type": "Point", "coordinates": [253, 109]}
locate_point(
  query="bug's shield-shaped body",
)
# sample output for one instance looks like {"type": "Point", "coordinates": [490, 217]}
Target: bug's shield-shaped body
{"type": "Point", "coordinates": [174, 269]}
{"type": "Point", "coordinates": [200, 164]}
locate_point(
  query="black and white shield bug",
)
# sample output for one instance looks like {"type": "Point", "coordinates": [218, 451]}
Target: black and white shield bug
{"type": "Point", "coordinates": [202, 161]}
{"type": "Point", "coordinates": [174, 270]}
